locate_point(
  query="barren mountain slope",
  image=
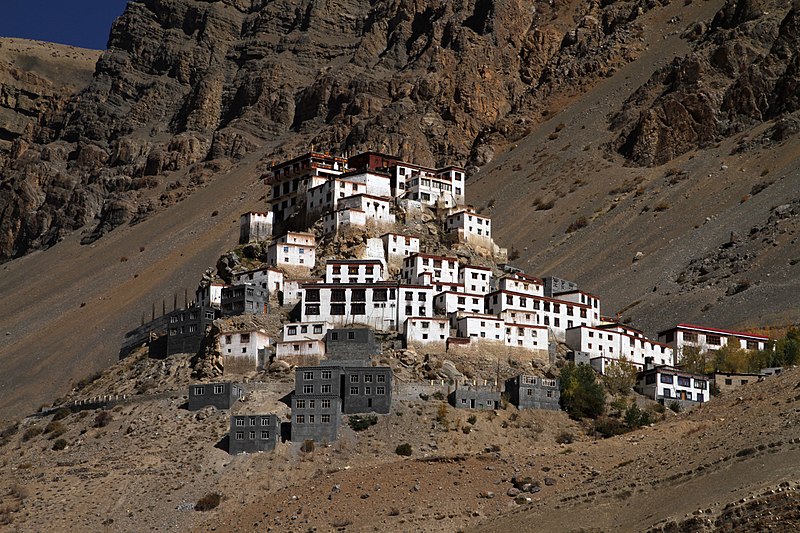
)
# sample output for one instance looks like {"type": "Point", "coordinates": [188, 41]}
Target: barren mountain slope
{"type": "Point", "coordinates": [737, 459]}
{"type": "Point", "coordinates": [711, 236]}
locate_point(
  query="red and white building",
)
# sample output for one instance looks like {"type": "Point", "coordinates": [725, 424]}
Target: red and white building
{"type": "Point", "coordinates": [440, 268]}
{"type": "Point", "coordinates": [707, 339]}
{"type": "Point", "coordinates": [452, 301]}
{"type": "Point", "coordinates": [421, 330]}
{"type": "Point", "coordinates": [475, 279]}
{"type": "Point", "coordinates": [606, 344]}
{"type": "Point", "coordinates": [354, 271]}
{"type": "Point", "coordinates": [294, 249]}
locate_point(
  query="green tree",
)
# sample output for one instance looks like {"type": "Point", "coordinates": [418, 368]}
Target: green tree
{"type": "Point", "coordinates": [620, 377]}
{"type": "Point", "coordinates": [731, 357]}
{"type": "Point", "coordinates": [694, 360]}
{"type": "Point", "coordinates": [582, 396]}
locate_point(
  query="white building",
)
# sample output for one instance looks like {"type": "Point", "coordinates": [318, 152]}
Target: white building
{"type": "Point", "coordinates": [301, 339]}
{"type": "Point", "coordinates": [384, 306]}
{"type": "Point", "coordinates": [245, 344]}
{"type": "Point", "coordinates": [667, 383]}
{"type": "Point", "coordinates": [426, 331]}
{"type": "Point", "coordinates": [442, 269]}
{"type": "Point", "coordinates": [354, 271]}
{"type": "Point", "coordinates": [254, 227]}
{"type": "Point", "coordinates": [607, 344]}
{"type": "Point", "coordinates": [526, 336]}
{"type": "Point", "coordinates": [521, 283]}
{"type": "Point", "coordinates": [558, 315]}
{"type": "Point", "coordinates": [376, 208]}
{"type": "Point", "coordinates": [267, 278]}
{"type": "Point", "coordinates": [706, 339]}
{"type": "Point", "coordinates": [583, 298]}
{"type": "Point", "coordinates": [327, 196]}
{"type": "Point", "coordinates": [475, 279]}
{"type": "Point", "coordinates": [471, 228]}
{"type": "Point", "coordinates": [209, 294]}
{"type": "Point", "coordinates": [480, 327]}
{"type": "Point", "coordinates": [451, 302]}
{"type": "Point", "coordinates": [444, 187]}
{"type": "Point", "coordinates": [398, 247]}
{"type": "Point", "coordinates": [343, 218]}
{"type": "Point", "coordinates": [293, 249]}
{"type": "Point", "coordinates": [293, 289]}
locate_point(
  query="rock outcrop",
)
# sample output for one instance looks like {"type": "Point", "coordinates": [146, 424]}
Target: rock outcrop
{"type": "Point", "coordinates": [188, 81]}
{"type": "Point", "coordinates": [744, 69]}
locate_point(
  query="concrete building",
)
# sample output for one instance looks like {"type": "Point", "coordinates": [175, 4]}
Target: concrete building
{"type": "Point", "coordinates": [474, 397]}
{"type": "Point", "coordinates": [253, 433]}
{"type": "Point", "coordinates": [667, 383]}
{"type": "Point", "coordinates": [351, 344]}
{"type": "Point", "coordinates": [526, 336]}
{"type": "Point", "coordinates": [440, 269]}
{"type": "Point", "coordinates": [354, 271]}
{"type": "Point", "coordinates": [243, 299]}
{"type": "Point", "coordinates": [290, 180]}
{"type": "Point", "coordinates": [209, 294]}
{"type": "Point", "coordinates": [377, 209]}
{"type": "Point", "coordinates": [337, 221]}
{"type": "Point", "coordinates": [293, 290]}
{"type": "Point", "coordinates": [383, 306]}
{"type": "Point", "coordinates": [557, 315]}
{"type": "Point", "coordinates": [294, 249]}
{"type": "Point", "coordinates": [367, 389]}
{"type": "Point", "coordinates": [301, 339]}
{"type": "Point", "coordinates": [219, 395]}
{"type": "Point", "coordinates": [421, 331]}
{"type": "Point", "coordinates": [397, 247]}
{"type": "Point", "coordinates": [444, 187]}
{"type": "Point", "coordinates": [554, 286]}
{"type": "Point", "coordinates": [269, 278]}
{"type": "Point", "coordinates": [471, 228]}
{"type": "Point", "coordinates": [187, 327]}
{"type": "Point", "coordinates": [519, 282]}
{"type": "Point", "coordinates": [451, 302]}
{"type": "Point", "coordinates": [533, 392]}
{"type": "Point", "coordinates": [728, 381]}
{"type": "Point", "coordinates": [706, 338]}
{"type": "Point", "coordinates": [475, 279]}
{"type": "Point", "coordinates": [317, 404]}
{"type": "Point", "coordinates": [607, 343]}
{"type": "Point", "coordinates": [480, 327]}
{"type": "Point", "coordinates": [246, 344]}
{"type": "Point", "coordinates": [255, 227]}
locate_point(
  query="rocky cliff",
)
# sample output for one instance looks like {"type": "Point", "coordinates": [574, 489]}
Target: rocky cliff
{"type": "Point", "coordinates": [742, 71]}
{"type": "Point", "coordinates": [185, 82]}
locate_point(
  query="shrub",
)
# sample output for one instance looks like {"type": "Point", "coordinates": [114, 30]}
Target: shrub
{"type": "Point", "coordinates": [61, 414]}
{"type": "Point", "coordinates": [441, 416]}
{"type": "Point", "coordinates": [307, 446]}
{"type": "Point", "coordinates": [438, 395]}
{"type": "Point", "coordinates": [577, 224]}
{"type": "Point", "coordinates": [472, 419]}
{"type": "Point", "coordinates": [60, 444]}
{"type": "Point", "coordinates": [466, 430]}
{"type": "Point", "coordinates": [214, 213]}
{"type": "Point", "coordinates": [7, 433]}
{"type": "Point", "coordinates": [581, 395]}
{"type": "Point", "coordinates": [31, 433]}
{"type": "Point", "coordinates": [208, 502]}
{"type": "Point", "coordinates": [55, 429]}
{"type": "Point", "coordinates": [609, 427]}
{"type": "Point", "coordinates": [675, 406]}
{"type": "Point", "coordinates": [360, 423]}
{"type": "Point", "coordinates": [85, 382]}
{"type": "Point", "coordinates": [123, 259]}
{"type": "Point", "coordinates": [102, 419]}
{"type": "Point", "coordinates": [403, 449]}
{"type": "Point", "coordinates": [565, 437]}
{"type": "Point", "coordinates": [661, 206]}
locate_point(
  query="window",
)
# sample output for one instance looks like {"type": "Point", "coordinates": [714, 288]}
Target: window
{"type": "Point", "coordinates": [379, 295]}
{"type": "Point", "coordinates": [334, 335]}
{"type": "Point", "coordinates": [312, 419]}
{"type": "Point", "coordinates": [308, 389]}
{"type": "Point", "coordinates": [368, 391]}
{"type": "Point", "coordinates": [354, 378]}
{"type": "Point", "coordinates": [219, 389]}
{"type": "Point", "coordinates": [318, 328]}
{"type": "Point", "coordinates": [421, 296]}
{"type": "Point", "coordinates": [299, 404]}
{"type": "Point", "coordinates": [325, 419]}
{"type": "Point", "coordinates": [358, 309]}
{"type": "Point", "coordinates": [351, 335]}
{"type": "Point", "coordinates": [291, 330]}
{"type": "Point", "coordinates": [684, 382]}
{"type": "Point", "coordinates": [312, 309]}
{"type": "Point", "coordinates": [326, 374]}
{"type": "Point", "coordinates": [252, 434]}
{"type": "Point", "coordinates": [337, 309]}
{"type": "Point", "coordinates": [381, 378]}
{"type": "Point", "coordinates": [308, 375]}
{"type": "Point", "coordinates": [265, 421]}
{"type": "Point", "coordinates": [752, 345]}
{"type": "Point", "coordinates": [300, 419]}
{"type": "Point", "coordinates": [199, 391]}
{"type": "Point", "coordinates": [667, 393]}
{"type": "Point", "coordinates": [700, 397]}
{"type": "Point", "coordinates": [666, 379]}
{"type": "Point", "coordinates": [325, 389]}
{"type": "Point", "coordinates": [325, 404]}
{"type": "Point", "coordinates": [368, 378]}
{"type": "Point", "coordinates": [713, 340]}
{"type": "Point", "coordinates": [265, 434]}
{"type": "Point", "coordinates": [239, 435]}
{"type": "Point", "coordinates": [729, 382]}
{"type": "Point", "coordinates": [359, 295]}
{"type": "Point", "coordinates": [338, 295]}
{"type": "Point", "coordinates": [689, 337]}
{"type": "Point", "coordinates": [353, 391]}
{"type": "Point", "coordinates": [239, 422]}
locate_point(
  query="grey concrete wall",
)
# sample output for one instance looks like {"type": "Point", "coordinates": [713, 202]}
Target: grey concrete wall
{"type": "Point", "coordinates": [474, 398]}
{"type": "Point", "coordinates": [532, 395]}
{"type": "Point", "coordinates": [253, 433]}
{"type": "Point", "coordinates": [311, 409]}
{"type": "Point", "coordinates": [350, 343]}
{"type": "Point", "coordinates": [313, 376]}
{"type": "Point", "coordinates": [203, 395]}
{"type": "Point", "coordinates": [360, 390]}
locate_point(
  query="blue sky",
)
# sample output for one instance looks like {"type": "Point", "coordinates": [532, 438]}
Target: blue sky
{"type": "Point", "coordinates": [84, 23]}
